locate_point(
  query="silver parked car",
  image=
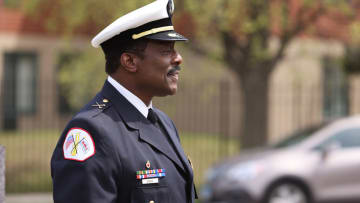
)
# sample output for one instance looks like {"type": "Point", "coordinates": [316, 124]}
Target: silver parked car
{"type": "Point", "coordinates": [318, 164]}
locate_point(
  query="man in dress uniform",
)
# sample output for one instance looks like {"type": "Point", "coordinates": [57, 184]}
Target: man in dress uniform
{"type": "Point", "coordinates": [119, 148]}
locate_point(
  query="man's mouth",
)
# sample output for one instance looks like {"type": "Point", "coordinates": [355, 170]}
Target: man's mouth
{"type": "Point", "coordinates": [173, 72]}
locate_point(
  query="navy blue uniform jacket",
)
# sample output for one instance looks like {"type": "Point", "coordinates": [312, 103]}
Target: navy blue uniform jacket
{"type": "Point", "coordinates": [124, 142]}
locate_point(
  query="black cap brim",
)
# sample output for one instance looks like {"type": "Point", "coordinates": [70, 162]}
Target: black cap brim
{"type": "Point", "coordinates": [170, 35]}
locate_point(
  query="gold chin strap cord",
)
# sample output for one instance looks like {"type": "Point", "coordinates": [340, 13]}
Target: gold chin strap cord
{"type": "Point", "coordinates": [152, 31]}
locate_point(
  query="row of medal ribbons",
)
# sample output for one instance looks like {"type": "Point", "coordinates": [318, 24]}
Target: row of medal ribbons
{"type": "Point", "coordinates": [154, 173]}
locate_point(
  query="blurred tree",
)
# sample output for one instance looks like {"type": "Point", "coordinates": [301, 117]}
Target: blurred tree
{"type": "Point", "coordinates": [80, 76]}
{"type": "Point", "coordinates": [245, 29]}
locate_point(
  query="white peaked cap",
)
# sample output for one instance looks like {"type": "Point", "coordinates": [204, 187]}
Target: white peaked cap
{"type": "Point", "coordinates": [140, 21]}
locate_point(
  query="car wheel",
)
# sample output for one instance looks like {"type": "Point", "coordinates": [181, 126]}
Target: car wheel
{"type": "Point", "coordinates": [287, 192]}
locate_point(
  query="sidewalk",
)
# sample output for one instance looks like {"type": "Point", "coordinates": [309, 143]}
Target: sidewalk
{"type": "Point", "coordinates": [29, 198]}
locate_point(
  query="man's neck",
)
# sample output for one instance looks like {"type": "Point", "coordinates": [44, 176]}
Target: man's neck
{"type": "Point", "coordinates": [129, 86]}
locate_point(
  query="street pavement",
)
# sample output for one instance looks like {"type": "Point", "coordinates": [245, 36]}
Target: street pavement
{"type": "Point", "coordinates": [29, 198]}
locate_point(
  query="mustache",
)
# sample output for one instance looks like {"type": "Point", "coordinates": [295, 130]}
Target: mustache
{"type": "Point", "coordinates": [173, 69]}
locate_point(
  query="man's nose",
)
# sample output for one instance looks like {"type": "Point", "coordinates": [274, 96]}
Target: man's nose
{"type": "Point", "coordinates": [177, 60]}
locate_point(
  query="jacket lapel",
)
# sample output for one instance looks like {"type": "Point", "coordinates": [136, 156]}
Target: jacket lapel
{"type": "Point", "coordinates": [174, 139]}
{"type": "Point", "coordinates": [135, 120]}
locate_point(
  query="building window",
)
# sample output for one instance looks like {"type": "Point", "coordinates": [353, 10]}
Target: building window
{"type": "Point", "coordinates": [20, 70]}
{"type": "Point", "coordinates": [25, 87]}
{"type": "Point", "coordinates": [336, 92]}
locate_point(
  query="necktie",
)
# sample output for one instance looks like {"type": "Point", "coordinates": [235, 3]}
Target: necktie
{"type": "Point", "coordinates": [152, 117]}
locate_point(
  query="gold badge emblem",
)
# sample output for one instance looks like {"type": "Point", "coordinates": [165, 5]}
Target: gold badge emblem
{"type": "Point", "coordinates": [148, 164]}
{"type": "Point", "coordinates": [172, 35]}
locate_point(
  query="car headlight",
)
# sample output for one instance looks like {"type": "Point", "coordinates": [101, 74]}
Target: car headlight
{"type": "Point", "coordinates": [244, 171]}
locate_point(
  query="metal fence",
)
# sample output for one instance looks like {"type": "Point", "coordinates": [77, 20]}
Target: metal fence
{"type": "Point", "coordinates": [207, 115]}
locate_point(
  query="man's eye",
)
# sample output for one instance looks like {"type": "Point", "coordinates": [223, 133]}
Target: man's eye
{"type": "Point", "coordinates": [167, 51]}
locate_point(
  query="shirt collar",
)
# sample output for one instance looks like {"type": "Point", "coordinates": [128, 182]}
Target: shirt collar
{"type": "Point", "coordinates": [132, 98]}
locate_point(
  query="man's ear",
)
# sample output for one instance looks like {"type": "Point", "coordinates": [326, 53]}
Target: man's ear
{"type": "Point", "coordinates": [129, 61]}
